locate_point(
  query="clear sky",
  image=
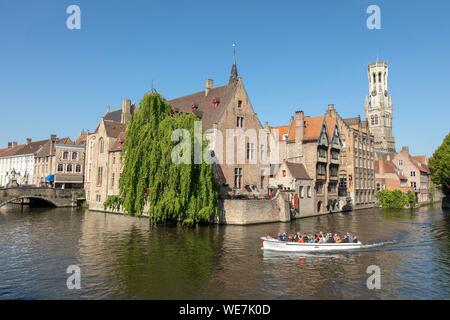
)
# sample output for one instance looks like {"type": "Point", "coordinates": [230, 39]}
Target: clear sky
{"type": "Point", "coordinates": [291, 54]}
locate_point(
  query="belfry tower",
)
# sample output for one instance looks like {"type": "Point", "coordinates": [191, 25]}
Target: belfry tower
{"type": "Point", "coordinates": [378, 107]}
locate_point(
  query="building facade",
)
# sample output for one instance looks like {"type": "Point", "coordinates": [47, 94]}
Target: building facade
{"type": "Point", "coordinates": [236, 137]}
{"type": "Point", "coordinates": [18, 161]}
{"type": "Point", "coordinates": [60, 164]}
{"type": "Point", "coordinates": [100, 179]}
{"type": "Point", "coordinates": [417, 172]}
{"type": "Point", "coordinates": [314, 142]}
{"type": "Point", "coordinates": [378, 107]}
{"type": "Point", "coordinates": [293, 178]}
{"type": "Point", "coordinates": [357, 173]}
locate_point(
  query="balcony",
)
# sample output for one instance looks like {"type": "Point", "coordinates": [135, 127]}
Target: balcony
{"type": "Point", "coordinates": [334, 177]}
{"type": "Point", "coordinates": [320, 176]}
{"type": "Point", "coordinates": [322, 158]}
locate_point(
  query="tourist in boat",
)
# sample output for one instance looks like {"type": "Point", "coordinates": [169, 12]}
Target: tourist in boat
{"type": "Point", "coordinates": [350, 237]}
{"type": "Point", "coordinates": [330, 238]}
{"type": "Point", "coordinates": [337, 239]}
{"type": "Point", "coordinates": [345, 239]}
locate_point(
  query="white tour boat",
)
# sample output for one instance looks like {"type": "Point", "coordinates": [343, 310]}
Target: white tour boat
{"type": "Point", "coordinates": [285, 246]}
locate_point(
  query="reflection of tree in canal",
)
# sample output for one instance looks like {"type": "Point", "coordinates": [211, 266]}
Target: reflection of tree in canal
{"type": "Point", "coordinates": [166, 262]}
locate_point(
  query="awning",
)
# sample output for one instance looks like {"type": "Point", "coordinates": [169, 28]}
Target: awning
{"type": "Point", "coordinates": [50, 178]}
{"type": "Point", "coordinates": [65, 178]}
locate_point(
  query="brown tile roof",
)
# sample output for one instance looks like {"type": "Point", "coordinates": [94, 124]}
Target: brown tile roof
{"type": "Point", "coordinates": [65, 140]}
{"type": "Point", "coordinates": [45, 150]}
{"type": "Point", "coordinates": [291, 130]}
{"type": "Point", "coordinates": [81, 139]}
{"type": "Point", "coordinates": [203, 106]}
{"type": "Point", "coordinates": [118, 145]}
{"type": "Point", "coordinates": [330, 123]}
{"type": "Point", "coordinates": [389, 166]}
{"type": "Point", "coordinates": [313, 127]}
{"type": "Point", "coordinates": [352, 121]}
{"type": "Point", "coordinates": [113, 129]}
{"type": "Point", "coordinates": [421, 167]}
{"type": "Point", "coordinates": [422, 159]}
{"type": "Point", "coordinates": [298, 171]}
{"type": "Point", "coordinates": [30, 148]}
{"type": "Point", "coordinates": [282, 130]}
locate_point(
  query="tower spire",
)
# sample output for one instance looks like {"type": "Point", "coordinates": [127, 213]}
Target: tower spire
{"type": "Point", "coordinates": [234, 73]}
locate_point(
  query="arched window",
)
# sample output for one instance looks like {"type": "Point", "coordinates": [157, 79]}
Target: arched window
{"type": "Point", "coordinates": [69, 168]}
{"type": "Point", "coordinates": [74, 155]}
{"type": "Point", "coordinates": [60, 167]}
{"type": "Point", "coordinates": [376, 119]}
{"type": "Point", "coordinates": [379, 77]}
{"type": "Point", "coordinates": [374, 78]}
{"type": "Point", "coordinates": [372, 119]}
{"type": "Point", "coordinates": [65, 155]}
{"type": "Point", "coordinates": [78, 168]}
{"type": "Point", "coordinates": [101, 146]}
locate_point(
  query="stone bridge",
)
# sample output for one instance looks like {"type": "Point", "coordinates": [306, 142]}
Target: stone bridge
{"type": "Point", "coordinates": [52, 197]}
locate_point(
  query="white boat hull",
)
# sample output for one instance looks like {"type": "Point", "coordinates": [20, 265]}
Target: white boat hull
{"type": "Point", "coordinates": [284, 246]}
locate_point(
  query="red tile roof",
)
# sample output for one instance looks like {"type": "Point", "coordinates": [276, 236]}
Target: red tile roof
{"type": "Point", "coordinates": [313, 128]}
{"type": "Point", "coordinates": [282, 130]}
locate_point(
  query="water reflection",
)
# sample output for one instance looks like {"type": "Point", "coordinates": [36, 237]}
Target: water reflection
{"type": "Point", "coordinates": [127, 258]}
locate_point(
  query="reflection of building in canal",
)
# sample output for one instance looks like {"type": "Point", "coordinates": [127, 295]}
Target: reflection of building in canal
{"type": "Point", "coordinates": [149, 262]}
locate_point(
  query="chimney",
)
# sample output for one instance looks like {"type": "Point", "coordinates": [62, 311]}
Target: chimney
{"type": "Point", "coordinates": [381, 167]}
{"type": "Point", "coordinates": [405, 149]}
{"type": "Point", "coordinates": [10, 144]}
{"type": "Point", "coordinates": [209, 86]}
{"type": "Point", "coordinates": [330, 108]}
{"type": "Point", "coordinates": [29, 140]}
{"type": "Point", "coordinates": [126, 111]}
{"type": "Point", "coordinates": [299, 125]}
{"type": "Point", "coordinates": [14, 143]}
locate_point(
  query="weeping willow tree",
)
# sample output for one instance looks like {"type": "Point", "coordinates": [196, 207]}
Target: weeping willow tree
{"type": "Point", "coordinates": [151, 179]}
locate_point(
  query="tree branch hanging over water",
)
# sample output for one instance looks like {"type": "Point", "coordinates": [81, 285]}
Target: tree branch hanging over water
{"type": "Point", "coordinates": [150, 179]}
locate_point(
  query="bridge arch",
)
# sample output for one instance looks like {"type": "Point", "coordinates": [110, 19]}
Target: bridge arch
{"type": "Point", "coordinates": [42, 199]}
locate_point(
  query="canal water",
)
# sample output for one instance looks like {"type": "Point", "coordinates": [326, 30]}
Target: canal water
{"type": "Point", "coordinates": [126, 258]}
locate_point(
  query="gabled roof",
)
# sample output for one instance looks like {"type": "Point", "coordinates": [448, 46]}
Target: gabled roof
{"type": "Point", "coordinates": [82, 139]}
{"type": "Point", "coordinates": [65, 140]}
{"type": "Point", "coordinates": [8, 152]}
{"type": "Point", "coordinates": [352, 121]}
{"type": "Point", "coordinates": [422, 159]}
{"type": "Point", "coordinates": [203, 105]}
{"type": "Point", "coordinates": [313, 128]}
{"type": "Point", "coordinates": [115, 115]}
{"type": "Point", "coordinates": [113, 129]}
{"type": "Point", "coordinates": [330, 124]}
{"type": "Point", "coordinates": [298, 171]}
{"type": "Point", "coordinates": [421, 167]}
{"type": "Point", "coordinates": [30, 148]}
{"type": "Point", "coordinates": [282, 130]}
{"type": "Point", "coordinates": [118, 145]}
{"type": "Point", "coordinates": [387, 165]}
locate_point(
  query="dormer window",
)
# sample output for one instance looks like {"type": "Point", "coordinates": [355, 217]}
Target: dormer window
{"type": "Point", "coordinates": [194, 107]}
{"type": "Point", "coordinates": [215, 103]}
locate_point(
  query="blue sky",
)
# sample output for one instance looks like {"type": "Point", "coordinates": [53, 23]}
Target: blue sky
{"type": "Point", "coordinates": [291, 54]}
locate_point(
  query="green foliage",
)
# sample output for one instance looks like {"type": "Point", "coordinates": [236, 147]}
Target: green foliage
{"type": "Point", "coordinates": [180, 192]}
{"type": "Point", "coordinates": [410, 199]}
{"type": "Point", "coordinates": [395, 199]}
{"type": "Point", "coordinates": [113, 203]}
{"type": "Point", "coordinates": [440, 166]}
